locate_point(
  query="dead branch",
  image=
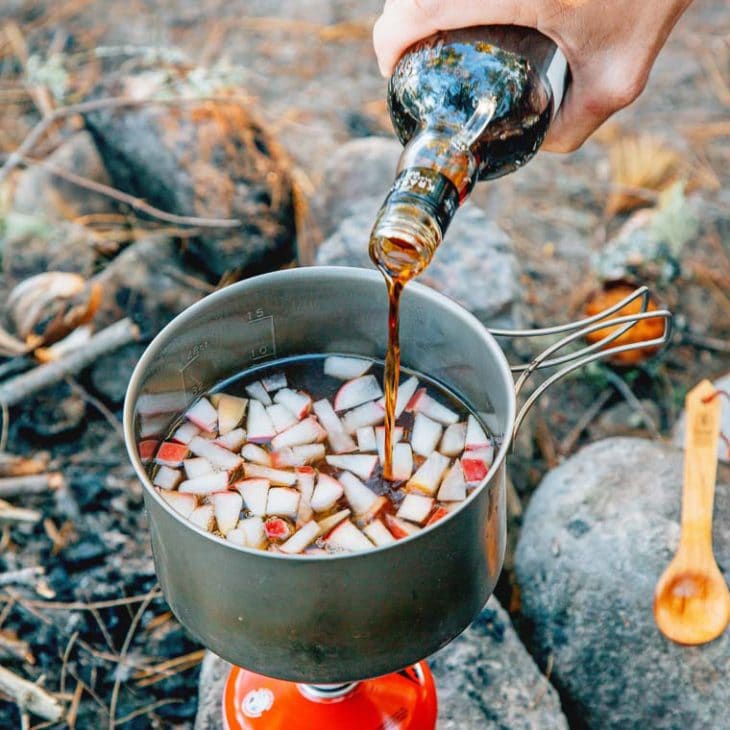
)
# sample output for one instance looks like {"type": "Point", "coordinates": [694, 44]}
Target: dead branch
{"type": "Point", "coordinates": [24, 576]}
{"type": "Point", "coordinates": [13, 465]}
{"type": "Point", "coordinates": [31, 484]}
{"type": "Point", "coordinates": [29, 696]}
{"type": "Point", "coordinates": [112, 338]}
{"type": "Point", "coordinates": [10, 514]}
{"type": "Point", "coordinates": [136, 203]}
{"type": "Point", "coordinates": [16, 648]}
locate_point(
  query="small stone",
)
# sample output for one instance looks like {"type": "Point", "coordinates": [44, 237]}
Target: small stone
{"type": "Point", "coordinates": [475, 264]}
{"type": "Point", "coordinates": [723, 444]}
{"type": "Point", "coordinates": [613, 511]}
{"type": "Point", "coordinates": [485, 680]}
{"type": "Point", "coordinates": [623, 419]}
{"type": "Point", "coordinates": [86, 551]}
{"type": "Point", "coordinates": [213, 159]}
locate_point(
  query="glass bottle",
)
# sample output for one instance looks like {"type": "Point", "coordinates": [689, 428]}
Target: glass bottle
{"type": "Point", "coordinates": [468, 105]}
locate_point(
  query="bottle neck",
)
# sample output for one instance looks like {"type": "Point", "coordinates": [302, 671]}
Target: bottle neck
{"type": "Point", "coordinates": [435, 176]}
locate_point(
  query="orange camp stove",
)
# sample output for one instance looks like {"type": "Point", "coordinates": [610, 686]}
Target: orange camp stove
{"type": "Point", "coordinates": [404, 700]}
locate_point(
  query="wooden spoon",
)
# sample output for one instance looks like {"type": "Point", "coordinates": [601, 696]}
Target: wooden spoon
{"type": "Point", "coordinates": [691, 600]}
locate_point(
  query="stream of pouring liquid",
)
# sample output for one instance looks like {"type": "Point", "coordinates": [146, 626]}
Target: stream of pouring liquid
{"type": "Point", "coordinates": [398, 262]}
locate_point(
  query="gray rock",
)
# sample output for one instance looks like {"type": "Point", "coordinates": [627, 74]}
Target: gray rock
{"type": "Point", "coordinates": [723, 446]}
{"type": "Point", "coordinates": [485, 680]}
{"type": "Point", "coordinates": [623, 419]}
{"type": "Point", "coordinates": [211, 160]}
{"type": "Point", "coordinates": [149, 283]}
{"type": "Point", "coordinates": [362, 169]}
{"type": "Point", "coordinates": [475, 264]}
{"type": "Point", "coordinates": [598, 533]}
{"type": "Point", "coordinates": [40, 192]}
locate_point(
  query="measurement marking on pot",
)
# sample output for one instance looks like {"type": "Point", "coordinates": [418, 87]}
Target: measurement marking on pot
{"type": "Point", "coordinates": [263, 334]}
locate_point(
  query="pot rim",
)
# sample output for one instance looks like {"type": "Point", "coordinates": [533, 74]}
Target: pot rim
{"type": "Point", "coordinates": [160, 340]}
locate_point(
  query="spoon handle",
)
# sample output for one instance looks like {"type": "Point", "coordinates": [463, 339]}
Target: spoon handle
{"type": "Point", "coordinates": [700, 466]}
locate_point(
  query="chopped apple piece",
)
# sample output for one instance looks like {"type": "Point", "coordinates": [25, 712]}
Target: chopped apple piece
{"type": "Point", "coordinates": [405, 393]}
{"type": "Point", "coordinates": [275, 476]}
{"type": "Point", "coordinates": [438, 514]}
{"type": "Point", "coordinates": [259, 427]}
{"type": "Point", "coordinates": [339, 441]}
{"type": "Point", "coordinates": [167, 478]}
{"type": "Point", "coordinates": [422, 402]}
{"type": "Point", "coordinates": [171, 454]}
{"type": "Point", "coordinates": [425, 436]}
{"type": "Point", "coordinates": [147, 450]}
{"type": "Point", "coordinates": [253, 529]}
{"type": "Point", "coordinates": [205, 484]}
{"type": "Point", "coordinates": [400, 528]}
{"type": "Point", "coordinates": [197, 467]}
{"type": "Point", "coordinates": [327, 523]}
{"type": "Point", "coordinates": [346, 368]}
{"type": "Point", "coordinates": [355, 392]}
{"type": "Point", "coordinates": [453, 487]}
{"type": "Point", "coordinates": [474, 468]}
{"type": "Point", "coordinates": [283, 502]}
{"type": "Point", "coordinates": [203, 415]}
{"type": "Point", "coordinates": [277, 529]}
{"type": "Point", "coordinates": [348, 538]}
{"type": "Point", "coordinates": [219, 457]}
{"type": "Point", "coordinates": [326, 493]}
{"type": "Point", "coordinates": [273, 382]}
{"type": "Point", "coordinates": [301, 538]}
{"type": "Point", "coordinates": [305, 481]}
{"type": "Point", "coordinates": [428, 476]}
{"type": "Point", "coordinates": [258, 392]}
{"type": "Point", "coordinates": [368, 414]}
{"type": "Point", "coordinates": [150, 426]}
{"type": "Point", "coordinates": [236, 536]}
{"type": "Point", "coordinates": [453, 440]}
{"type": "Point", "coordinates": [475, 436]}
{"type": "Point", "coordinates": [415, 508]}
{"type": "Point", "coordinates": [255, 493]}
{"type": "Point", "coordinates": [185, 433]}
{"type": "Point", "coordinates": [297, 402]}
{"type": "Point", "coordinates": [402, 462]}
{"type": "Point", "coordinates": [297, 455]}
{"type": "Point", "coordinates": [307, 431]}
{"type": "Point", "coordinates": [203, 517]}
{"type": "Point", "coordinates": [378, 533]}
{"type": "Point", "coordinates": [366, 439]}
{"type": "Point", "coordinates": [233, 440]}
{"type": "Point", "coordinates": [256, 455]}
{"type": "Point", "coordinates": [360, 464]}
{"type": "Point", "coordinates": [231, 410]}
{"type": "Point", "coordinates": [281, 417]}
{"type": "Point", "coordinates": [180, 502]}
{"type": "Point", "coordinates": [360, 498]}
{"type": "Point", "coordinates": [227, 508]}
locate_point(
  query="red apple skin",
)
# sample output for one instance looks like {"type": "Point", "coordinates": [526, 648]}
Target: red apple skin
{"type": "Point", "coordinates": [474, 469]}
{"type": "Point", "coordinates": [415, 398]}
{"type": "Point", "coordinates": [147, 449]}
{"type": "Point", "coordinates": [276, 529]}
{"type": "Point", "coordinates": [170, 451]}
{"type": "Point", "coordinates": [437, 515]}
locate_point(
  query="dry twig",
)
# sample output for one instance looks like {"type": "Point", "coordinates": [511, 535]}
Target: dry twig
{"type": "Point", "coordinates": [11, 514]}
{"type": "Point", "coordinates": [112, 338]}
{"type": "Point", "coordinates": [31, 484]}
{"type": "Point", "coordinates": [29, 696]}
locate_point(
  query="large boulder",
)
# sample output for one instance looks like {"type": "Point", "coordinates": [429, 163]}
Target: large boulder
{"type": "Point", "coordinates": [485, 680]}
{"type": "Point", "coordinates": [207, 159]}
{"type": "Point", "coordinates": [597, 535]}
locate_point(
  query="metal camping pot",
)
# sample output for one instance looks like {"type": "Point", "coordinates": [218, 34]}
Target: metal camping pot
{"type": "Point", "coordinates": [351, 616]}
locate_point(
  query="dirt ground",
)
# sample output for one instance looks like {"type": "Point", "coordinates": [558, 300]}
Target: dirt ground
{"type": "Point", "coordinates": [309, 65]}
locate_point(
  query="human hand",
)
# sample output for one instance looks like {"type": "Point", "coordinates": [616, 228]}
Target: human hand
{"type": "Point", "coordinates": [610, 47]}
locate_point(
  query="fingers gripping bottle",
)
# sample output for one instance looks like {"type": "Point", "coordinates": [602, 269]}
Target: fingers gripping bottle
{"type": "Point", "coordinates": [468, 105]}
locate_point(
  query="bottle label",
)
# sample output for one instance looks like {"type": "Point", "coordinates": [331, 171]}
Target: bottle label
{"type": "Point", "coordinates": [427, 188]}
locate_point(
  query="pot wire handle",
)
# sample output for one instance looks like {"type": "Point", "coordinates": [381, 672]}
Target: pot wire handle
{"type": "Point", "coordinates": [589, 353]}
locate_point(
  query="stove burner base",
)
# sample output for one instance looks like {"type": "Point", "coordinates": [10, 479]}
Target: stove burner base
{"type": "Point", "coordinates": [404, 700]}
